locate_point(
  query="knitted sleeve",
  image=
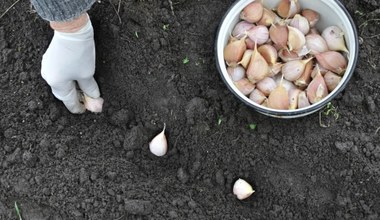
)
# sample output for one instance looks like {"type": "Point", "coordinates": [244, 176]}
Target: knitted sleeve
{"type": "Point", "coordinates": [61, 10]}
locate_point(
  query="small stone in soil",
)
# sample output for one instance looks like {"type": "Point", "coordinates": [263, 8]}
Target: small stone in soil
{"type": "Point", "coordinates": [138, 207]}
{"type": "Point", "coordinates": [182, 175]}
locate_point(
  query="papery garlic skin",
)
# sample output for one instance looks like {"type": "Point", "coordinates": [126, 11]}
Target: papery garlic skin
{"type": "Point", "coordinates": [268, 18]}
{"type": "Point", "coordinates": [242, 189]}
{"type": "Point", "coordinates": [258, 68]}
{"type": "Point", "coordinates": [246, 58]}
{"type": "Point", "coordinates": [269, 53]}
{"type": "Point", "coordinates": [317, 89]}
{"type": "Point", "coordinates": [159, 144]}
{"type": "Point", "coordinates": [93, 104]}
{"type": "Point", "coordinates": [278, 33]}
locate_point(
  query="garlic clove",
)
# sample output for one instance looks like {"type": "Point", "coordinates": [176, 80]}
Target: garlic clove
{"type": "Point", "coordinates": [246, 58]}
{"type": "Point", "coordinates": [266, 85]}
{"type": "Point", "coordinates": [234, 51]}
{"type": "Point", "coordinates": [314, 31]}
{"type": "Point", "coordinates": [258, 68]}
{"type": "Point", "coordinates": [293, 70]}
{"type": "Point", "coordinates": [301, 23]}
{"type": "Point", "coordinates": [275, 69]}
{"type": "Point", "coordinates": [334, 37]}
{"type": "Point", "coordinates": [287, 55]}
{"type": "Point", "coordinates": [278, 33]}
{"type": "Point", "coordinates": [287, 84]}
{"type": "Point", "coordinates": [268, 18]}
{"type": "Point", "coordinates": [332, 80]}
{"type": "Point", "coordinates": [303, 101]}
{"type": "Point", "coordinates": [311, 15]}
{"type": "Point", "coordinates": [244, 86]}
{"type": "Point", "coordinates": [317, 89]}
{"type": "Point", "coordinates": [279, 98]}
{"type": "Point", "coordinates": [296, 39]}
{"type": "Point", "coordinates": [236, 73]}
{"type": "Point", "coordinates": [305, 78]}
{"type": "Point", "coordinates": [258, 34]}
{"type": "Point", "coordinates": [293, 98]}
{"type": "Point", "coordinates": [269, 53]}
{"type": "Point", "coordinates": [257, 96]}
{"type": "Point", "coordinates": [159, 144]}
{"type": "Point", "coordinates": [242, 189]}
{"type": "Point", "coordinates": [318, 69]}
{"type": "Point", "coordinates": [250, 43]}
{"type": "Point", "coordinates": [288, 8]}
{"type": "Point", "coordinates": [241, 28]}
{"type": "Point", "coordinates": [333, 61]}
{"type": "Point", "coordinates": [93, 104]}
{"type": "Point", "coordinates": [316, 44]}
{"type": "Point", "coordinates": [252, 12]}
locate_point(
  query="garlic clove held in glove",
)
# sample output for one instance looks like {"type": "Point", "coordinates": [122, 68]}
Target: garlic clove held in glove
{"type": "Point", "coordinates": [159, 144]}
{"type": "Point", "coordinates": [93, 105]}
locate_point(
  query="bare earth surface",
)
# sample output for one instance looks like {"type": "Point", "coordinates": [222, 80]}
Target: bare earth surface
{"type": "Point", "coordinates": [56, 165]}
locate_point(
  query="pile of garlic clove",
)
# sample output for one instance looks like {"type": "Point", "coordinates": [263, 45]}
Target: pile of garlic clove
{"type": "Point", "coordinates": [280, 60]}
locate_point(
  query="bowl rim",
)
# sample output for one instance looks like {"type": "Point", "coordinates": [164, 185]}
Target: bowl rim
{"type": "Point", "coordinates": [299, 112]}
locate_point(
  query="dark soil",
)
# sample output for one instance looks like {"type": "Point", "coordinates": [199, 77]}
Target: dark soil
{"type": "Point", "coordinates": [57, 165]}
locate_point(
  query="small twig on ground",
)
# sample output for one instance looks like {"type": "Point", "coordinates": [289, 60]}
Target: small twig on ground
{"type": "Point", "coordinates": [116, 10]}
{"type": "Point", "coordinates": [377, 130]}
{"type": "Point", "coordinates": [171, 6]}
{"type": "Point", "coordinates": [118, 6]}
{"type": "Point", "coordinates": [6, 11]}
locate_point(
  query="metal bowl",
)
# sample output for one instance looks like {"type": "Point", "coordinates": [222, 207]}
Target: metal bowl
{"type": "Point", "coordinates": [332, 12]}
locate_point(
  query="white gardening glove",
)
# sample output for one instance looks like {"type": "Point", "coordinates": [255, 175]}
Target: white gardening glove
{"type": "Point", "coordinates": [69, 58]}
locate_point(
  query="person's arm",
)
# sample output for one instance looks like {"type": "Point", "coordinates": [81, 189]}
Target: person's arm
{"type": "Point", "coordinates": [70, 59]}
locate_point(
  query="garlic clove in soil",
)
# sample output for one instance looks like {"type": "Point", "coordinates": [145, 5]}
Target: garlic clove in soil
{"type": "Point", "coordinates": [242, 189]}
{"type": "Point", "coordinates": [93, 104]}
{"type": "Point", "coordinates": [159, 144]}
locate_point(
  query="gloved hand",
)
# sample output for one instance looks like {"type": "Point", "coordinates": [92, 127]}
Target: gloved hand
{"type": "Point", "coordinates": [70, 58]}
